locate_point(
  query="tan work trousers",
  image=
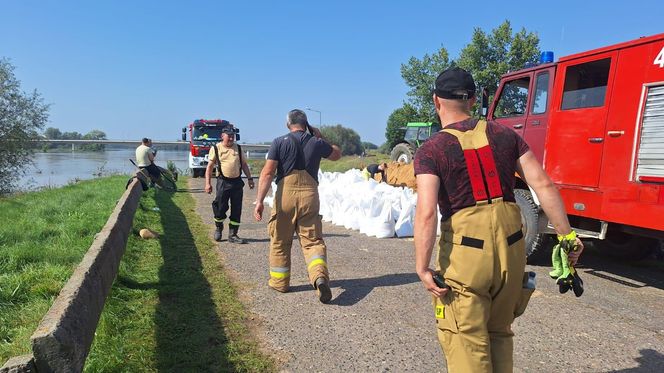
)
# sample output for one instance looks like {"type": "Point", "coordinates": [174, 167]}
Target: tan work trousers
{"type": "Point", "coordinates": [296, 207]}
{"type": "Point", "coordinates": [482, 258]}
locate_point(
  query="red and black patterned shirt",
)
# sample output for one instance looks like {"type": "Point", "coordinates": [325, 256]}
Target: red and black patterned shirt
{"type": "Point", "coordinates": [441, 155]}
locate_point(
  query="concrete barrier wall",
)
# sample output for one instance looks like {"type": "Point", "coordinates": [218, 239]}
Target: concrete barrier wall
{"type": "Point", "coordinates": [64, 336]}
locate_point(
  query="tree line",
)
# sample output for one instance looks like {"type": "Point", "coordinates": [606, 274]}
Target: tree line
{"type": "Point", "coordinates": [487, 57]}
{"type": "Point", "coordinates": [52, 133]}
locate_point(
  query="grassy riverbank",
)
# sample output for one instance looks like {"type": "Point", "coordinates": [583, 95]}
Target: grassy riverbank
{"type": "Point", "coordinates": [171, 307]}
{"type": "Point", "coordinates": [43, 237]}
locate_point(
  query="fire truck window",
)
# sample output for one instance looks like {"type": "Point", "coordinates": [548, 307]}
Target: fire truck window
{"type": "Point", "coordinates": [513, 98]}
{"type": "Point", "coordinates": [585, 84]}
{"type": "Point", "coordinates": [541, 93]}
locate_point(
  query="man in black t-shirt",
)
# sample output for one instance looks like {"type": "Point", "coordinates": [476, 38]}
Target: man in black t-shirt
{"type": "Point", "coordinates": [295, 158]}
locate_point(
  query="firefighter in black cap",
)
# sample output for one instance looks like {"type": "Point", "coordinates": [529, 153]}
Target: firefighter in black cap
{"type": "Point", "coordinates": [226, 158]}
{"type": "Point", "coordinates": [467, 171]}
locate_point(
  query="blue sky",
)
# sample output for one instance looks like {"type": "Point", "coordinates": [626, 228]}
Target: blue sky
{"type": "Point", "coordinates": [147, 68]}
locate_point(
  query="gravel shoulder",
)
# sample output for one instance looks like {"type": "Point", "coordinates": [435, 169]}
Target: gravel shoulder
{"type": "Point", "coordinates": [380, 318]}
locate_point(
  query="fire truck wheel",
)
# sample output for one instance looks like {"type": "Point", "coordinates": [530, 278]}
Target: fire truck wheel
{"type": "Point", "coordinates": [622, 245]}
{"type": "Point", "coordinates": [535, 242]}
{"type": "Point", "coordinates": [194, 173]}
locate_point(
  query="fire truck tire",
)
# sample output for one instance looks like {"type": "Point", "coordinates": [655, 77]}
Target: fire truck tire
{"type": "Point", "coordinates": [620, 245]}
{"type": "Point", "coordinates": [402, 152]}
{"type": "Point", "coordinates": [535, 242]}
{"type": "Point", "coordinates": [195, 173]}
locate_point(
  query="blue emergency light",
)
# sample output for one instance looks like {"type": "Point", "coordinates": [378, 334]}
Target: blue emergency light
{"type": "Point", "coordinates": [546, 57]}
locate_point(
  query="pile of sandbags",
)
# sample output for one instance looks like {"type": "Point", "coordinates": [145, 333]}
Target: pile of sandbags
{"type": "Point", "coordinates": [375, 209]}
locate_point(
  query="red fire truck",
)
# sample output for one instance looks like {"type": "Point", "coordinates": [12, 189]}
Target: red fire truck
{"type": "Point", "coordinates": [596, 122]}
{"type": "Point", "coordinates": [203, 133]}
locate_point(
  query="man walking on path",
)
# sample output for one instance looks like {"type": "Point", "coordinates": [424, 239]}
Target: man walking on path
{"type": "Point", "coordinates": [467, 170]}
{"type": "Point", "coordinates": [295, 158]}
{"type": "Point", "coordinates": [226, 157]}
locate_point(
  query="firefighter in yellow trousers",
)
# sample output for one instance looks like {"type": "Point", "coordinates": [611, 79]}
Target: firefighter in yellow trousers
{"type": "Point", "coordinates": [295, 159]}
{"type": "Point", "coordinates": [467, 171]}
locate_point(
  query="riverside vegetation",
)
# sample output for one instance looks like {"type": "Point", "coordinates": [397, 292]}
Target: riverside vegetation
{"type": "Point", "coordinates": [171, 306]}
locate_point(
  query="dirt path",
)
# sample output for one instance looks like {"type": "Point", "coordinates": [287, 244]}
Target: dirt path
{"type": "Point", "coordinates": [380, 317]}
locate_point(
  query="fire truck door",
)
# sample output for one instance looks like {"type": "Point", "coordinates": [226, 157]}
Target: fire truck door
{"type": "Point", "coordinates": [576, 137]}
{"type": "Point", "coordinates": [511, 108]}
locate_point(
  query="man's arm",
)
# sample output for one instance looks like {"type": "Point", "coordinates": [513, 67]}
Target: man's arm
{"type": "Point", "coordinates": [426, 222]}
{"type": "Point", "coordinates": [208, 177]}
{"type": "Point", "coordinates": [533, 174]}
{"type": "Point", "coordinates": [336, 151]}
{"type": "Point", "coordinates": [264, 183]}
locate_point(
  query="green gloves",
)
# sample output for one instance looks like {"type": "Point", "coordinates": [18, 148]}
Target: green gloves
{"type": "Point", "coordinates": [566, 276]}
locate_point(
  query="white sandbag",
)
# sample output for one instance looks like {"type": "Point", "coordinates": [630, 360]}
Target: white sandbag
{"type": "Point", "coordinates": [405, 223]}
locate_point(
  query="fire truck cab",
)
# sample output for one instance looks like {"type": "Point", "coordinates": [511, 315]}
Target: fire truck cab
{"type": "Point", "coordinates": [596, 122]}
{"type": "Point", "coordinates": [203, 133]}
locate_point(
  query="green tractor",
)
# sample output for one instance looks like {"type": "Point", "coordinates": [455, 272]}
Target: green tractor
{"type": "Point", "coordinates": [416, 134]}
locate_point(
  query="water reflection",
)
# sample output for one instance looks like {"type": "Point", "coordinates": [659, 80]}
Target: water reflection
{"type": "Point", "coordinates": [57, 169]}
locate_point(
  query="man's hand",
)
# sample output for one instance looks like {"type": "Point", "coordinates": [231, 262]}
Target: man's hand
{"type": "Point", "coordinates": [426, 276]}
{"type": "Point", "coordinates": [208, 188]}
{"type": "Point", "coordinates": [574, 255]}
{"type": "Point", "coordinates": [251, 183]}
{"type": "Point", "coordinates": [258, 211]}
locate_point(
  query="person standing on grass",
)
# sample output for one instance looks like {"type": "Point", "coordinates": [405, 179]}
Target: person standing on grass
{"type": "Point", "coordinates": [295, 158]}
{"type": "Point", "coordinates": [226, 157]}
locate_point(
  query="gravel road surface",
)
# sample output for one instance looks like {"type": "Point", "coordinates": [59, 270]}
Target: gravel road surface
{"type": "Point", "coordinates": [380, 318]}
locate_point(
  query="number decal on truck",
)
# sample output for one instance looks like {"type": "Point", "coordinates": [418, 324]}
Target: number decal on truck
{"type": "Point", "coordinates": [659, 60]}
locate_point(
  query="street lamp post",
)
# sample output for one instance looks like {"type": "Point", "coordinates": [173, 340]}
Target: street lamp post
{"type": "Point", "coordinates": [320, 115]}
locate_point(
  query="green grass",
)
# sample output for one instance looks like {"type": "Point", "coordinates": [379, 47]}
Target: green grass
{"type": "Point", "coordinates": [43, 236]}
{"type": "Point", "coordinates": [172, 308]}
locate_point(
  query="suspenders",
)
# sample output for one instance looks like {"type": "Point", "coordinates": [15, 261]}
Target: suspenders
{"type": "Point", "coordinates": [484, 177]}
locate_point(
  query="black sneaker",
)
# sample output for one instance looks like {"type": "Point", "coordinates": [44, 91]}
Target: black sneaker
{"type": "Point", "coordinates": [235, 239]}
{"type": "Point", "coordinates": [323, 290]}
{"type": "Point", "coordinates": [217, 233]}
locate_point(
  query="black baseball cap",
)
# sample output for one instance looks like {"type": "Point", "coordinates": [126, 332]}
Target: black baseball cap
{"type": "Point", "coordinates": [228, 129]}
{"type": "Point", "coordinates": [455, 83]}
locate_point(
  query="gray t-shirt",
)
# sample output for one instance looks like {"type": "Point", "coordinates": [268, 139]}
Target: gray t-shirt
{"type": "Point", "coordinates": [284, 151]}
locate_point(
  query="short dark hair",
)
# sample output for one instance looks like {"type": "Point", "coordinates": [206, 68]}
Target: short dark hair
{"type": "Point", "coordinates": [145, 140]}
{"type": "Point", "coordinates": [297, 117]}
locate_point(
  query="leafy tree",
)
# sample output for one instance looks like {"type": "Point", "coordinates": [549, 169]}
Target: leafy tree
{"type": "Point", "coordinates": [72, 136]}
{"type": "Point", "coordinates": [94, 135]}
{"type": "Point", "coordinates": [420, 76]}
{"type": "Point", "coordinates": [52, 133]}
{"type": "Point", "coordinates": [489, 56]}
{"type": "Point", "coordinates": [22, 115]}
{"type": "Point", "coordinates": [396, 124]}
{"type": "Point", "coordinates": [346, 138]}
{"type": "Point", "coordinates": [369, 145]}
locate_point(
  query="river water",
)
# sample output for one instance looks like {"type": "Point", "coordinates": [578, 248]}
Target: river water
{"type": "Point", "coordinates": [57, 169]}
